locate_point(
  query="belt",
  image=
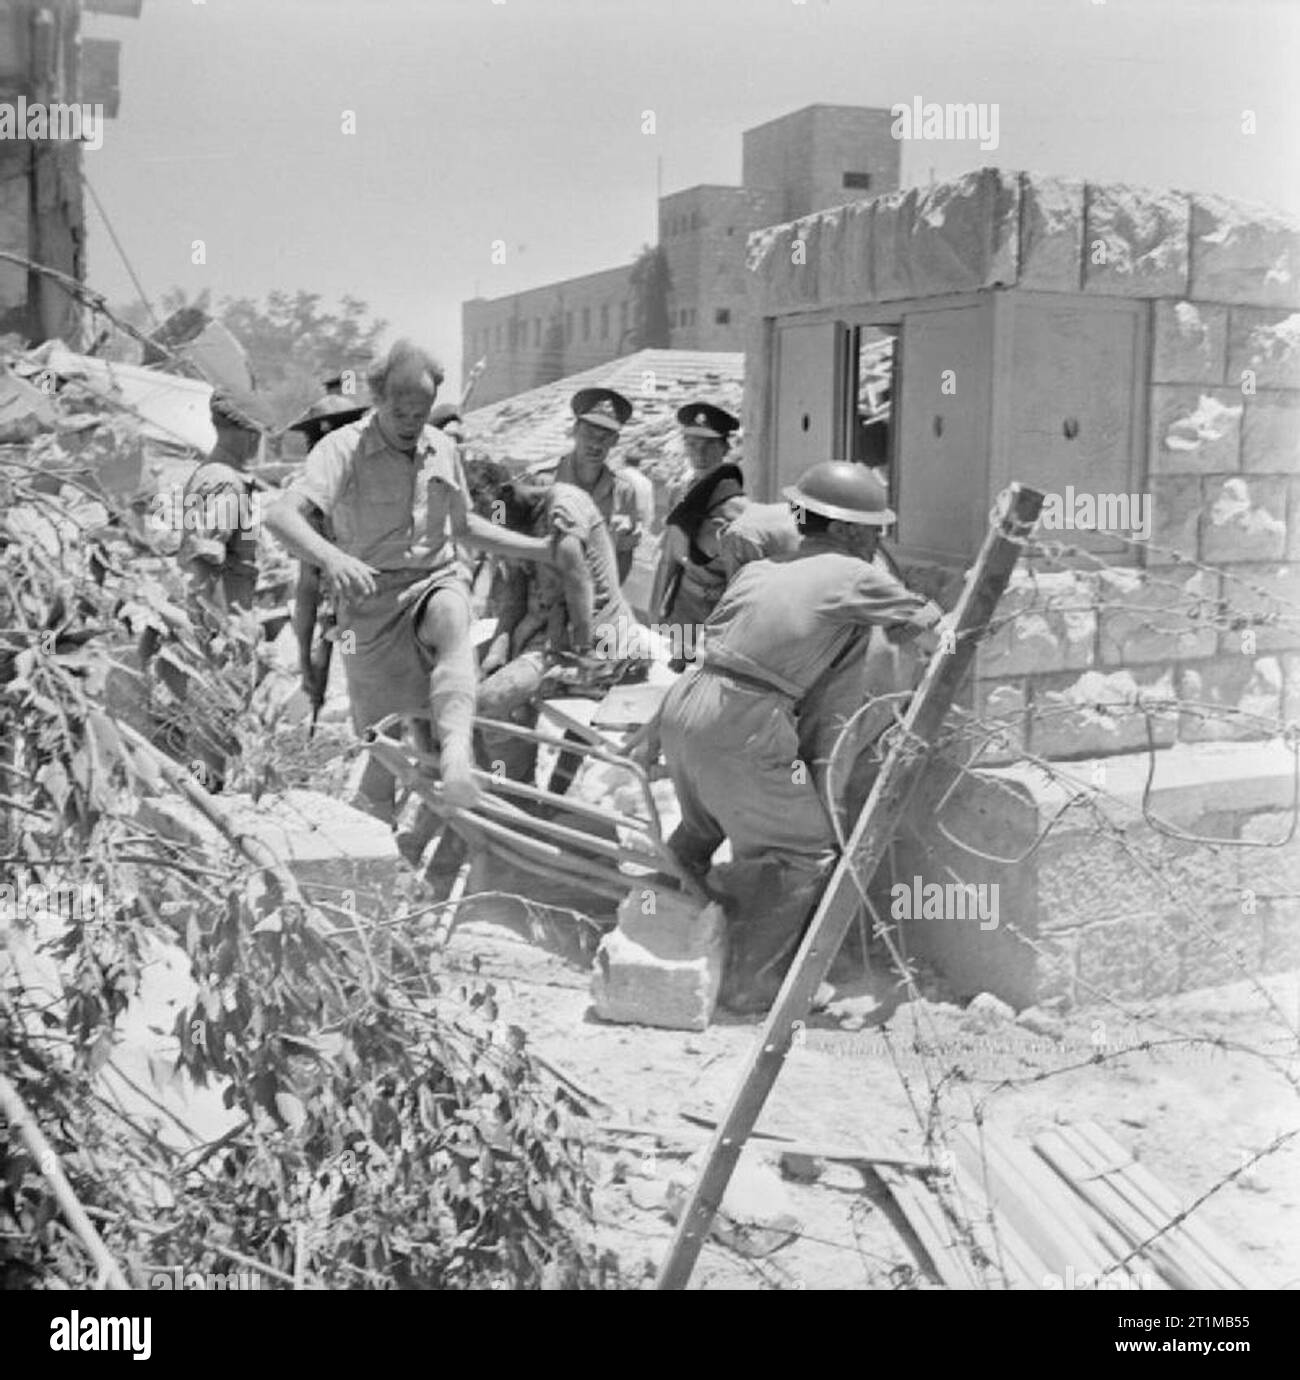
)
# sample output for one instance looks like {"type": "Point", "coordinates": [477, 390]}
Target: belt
{"type": "Point", "coordinates": [753, 682]}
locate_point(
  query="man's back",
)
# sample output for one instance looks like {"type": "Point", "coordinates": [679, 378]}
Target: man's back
{"type": "Point", "coordinates": [786, 621]}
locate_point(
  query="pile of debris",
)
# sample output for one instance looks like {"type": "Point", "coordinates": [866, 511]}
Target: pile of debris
{"type": "Point", "coordinates": [533, 426]}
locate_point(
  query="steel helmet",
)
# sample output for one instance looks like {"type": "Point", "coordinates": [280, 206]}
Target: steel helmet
{"type": "Point", "coordinates": [844, 492]}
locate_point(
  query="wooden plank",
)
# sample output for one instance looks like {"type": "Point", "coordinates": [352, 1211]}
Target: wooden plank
{"type": "Point", "coordinates": [1033, 1200]}
{"type": "Point", "coordinates": [1107, 1164]}
{"type": "Point", "coordinates": [932, 1228]}
{"type": "Point", "coordinates": [1011, 1260]}
{"type": "Point", "coordinates": [1202, 1244]}
{"type": "Point", "coordinates": [629, 706]}
{"type": "Point", "coordinates": [1100, 1195]}
{"type": "Point", "coordinates": [871, 836]}
{"type": "Point", "coordinates": [865, 1154]}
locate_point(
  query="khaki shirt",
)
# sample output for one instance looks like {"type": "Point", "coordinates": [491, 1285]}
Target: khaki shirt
{"type": "Point", "coordinates": [219, 542]}
{"type": "Point", "coordinates": [786, 622]}
{"type": "Point", "coordinates": [611, 494]}
{"type": "Point", "coordinates": [387, 509]}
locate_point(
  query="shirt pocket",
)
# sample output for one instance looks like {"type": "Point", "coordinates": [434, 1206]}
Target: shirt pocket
{"type": "Point", "coordinates": [435, 502]}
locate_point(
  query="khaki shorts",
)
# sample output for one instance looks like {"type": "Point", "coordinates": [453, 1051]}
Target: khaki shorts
{"type": "Point", "coordinates": [387, 665]}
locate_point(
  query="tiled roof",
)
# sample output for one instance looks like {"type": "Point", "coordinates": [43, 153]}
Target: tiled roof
{"type": "Point", "coordinates": [535, 425]}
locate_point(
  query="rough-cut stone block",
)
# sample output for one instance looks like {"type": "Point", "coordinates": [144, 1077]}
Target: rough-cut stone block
{"type": "Point", "coordinates": [1191, 343]}
{"type": "Point", "coordinates": [891, 240]}
{"type": "Point", "coordinates": [1281, 939]}
{"type": "Point", "coordinates": [1194, 430]}
{"type": "Point", "coordinates": [1291, 687]}
{"type": "Point", "coordinates": [784, 260]}
{"type": "Point", "coordinates": [844, 273]}
{"type": "Point", "coordinates": [1267, 601]}
{"type": "Point", "coordinates": [1135, 241]}
{"type": "Point", "coordinates": [1270, 434]}
{"type": "Point", "coordinates": [1002, 705]}
{"type": "Point", "coordinates": [1176, 501]}
{"type": "Point", "coordinates": [1263, 348]}
{"type": "Point", "coordinates": [991, 815]}
{"type": "Point", "coordinates": [1096, 714]}
{"type": "Point", "coordinates": [332, 849]}
{"type": "Point", "coordinates": [1247, 692]}
{"type": "Point", "coordinates": [1268, 880]}
{"type": "Point", "coordinates": [1149, 617]}
{"type": "Point", "coordinates": [661, 969]}
{"type": "Point", "coordinates": [1245, 519]}
{"type": "Point", "coordinates": [964, 234]}
{"type": "Point", "coordinates": [1244, 253]}
{"type": "Point", "coordinates": [1292, 551]}
{"type": "Point", "coordinates": [1044, 622]}
{"type": "Point", "coordinates": [1051, 233]}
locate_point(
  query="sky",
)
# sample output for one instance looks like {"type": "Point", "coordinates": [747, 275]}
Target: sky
{"type": "Point", "coordinates": [522, 121]}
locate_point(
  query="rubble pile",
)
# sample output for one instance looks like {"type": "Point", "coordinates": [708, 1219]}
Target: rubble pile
{"type": "Point", "coordinates": [533, 426]}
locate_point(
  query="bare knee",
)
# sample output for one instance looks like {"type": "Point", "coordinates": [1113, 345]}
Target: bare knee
{"type": "Point", "coordinates": [444, 622]}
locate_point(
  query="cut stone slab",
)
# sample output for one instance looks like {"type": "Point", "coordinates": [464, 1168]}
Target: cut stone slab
{"type": "Point", "coordinates": [339, 855]}
{"type": "Point", "coordinates": [663, 968]}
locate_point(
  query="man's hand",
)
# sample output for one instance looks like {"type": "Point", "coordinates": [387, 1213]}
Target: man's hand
{"type": "Point", "coordinates": [350, 575]}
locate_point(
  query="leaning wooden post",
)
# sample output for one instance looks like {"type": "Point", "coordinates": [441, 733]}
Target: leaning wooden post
{"type": "Point", "coordinates": [876, 825]}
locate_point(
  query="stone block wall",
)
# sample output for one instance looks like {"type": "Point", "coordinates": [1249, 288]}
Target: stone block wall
{"type": "Point", "coordinates": [1086, 659]}
{"type": "Point", "coordinates": [1213, 617]}
{"type": "Point", "coordinates": [1107, 903]}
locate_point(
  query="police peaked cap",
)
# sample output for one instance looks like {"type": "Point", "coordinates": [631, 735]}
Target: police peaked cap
{"type": "Point", "coordinates": [704, 420]}
{"type": "Point", "coordinates": [602, 407]}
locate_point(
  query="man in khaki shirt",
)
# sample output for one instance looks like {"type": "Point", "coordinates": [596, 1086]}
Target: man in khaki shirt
{"type": "Point", "coordinates": [599, 415]}
{"type": "Point", "coordinates": [394, 493]}
{"type": "Point", "coordinates": [731, 727]}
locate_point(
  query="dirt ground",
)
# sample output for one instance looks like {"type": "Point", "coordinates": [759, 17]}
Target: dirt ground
{"type": "Point", "coordinates": [1191, 1111]}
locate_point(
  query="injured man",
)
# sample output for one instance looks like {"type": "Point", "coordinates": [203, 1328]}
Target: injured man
{"type": "Point", "coordinates": [566, 625]}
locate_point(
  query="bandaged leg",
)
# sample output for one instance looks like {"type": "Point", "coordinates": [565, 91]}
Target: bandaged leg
{"type": "Point", "coordinates": [444, 627]}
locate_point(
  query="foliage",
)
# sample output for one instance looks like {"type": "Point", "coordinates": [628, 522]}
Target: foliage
{"type": "Point", "coordinates": [394, 1131]}
{"type": "Point", "coordinates": [292, 341]}
{"type": "Point", "coordinates": [652, 283]}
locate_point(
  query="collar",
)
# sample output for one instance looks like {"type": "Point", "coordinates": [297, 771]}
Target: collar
{"type": "Point", "coordinates": [373, 439]}
{"type": "Point", "coordinates": [569, 464]}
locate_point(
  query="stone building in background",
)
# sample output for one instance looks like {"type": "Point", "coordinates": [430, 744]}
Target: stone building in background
{"type": "Point", "coordinates": [823, 155]}
{"type": "Point", "coordinates": [46, 60]}
{"type": "Point", "coordinates": [1128, 780]}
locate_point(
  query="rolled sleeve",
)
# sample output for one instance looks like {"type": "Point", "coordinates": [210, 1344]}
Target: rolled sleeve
{"type": "Point", "coordinates": [323, 475]}
{"type": "Point", "coordinates": [879, 599]}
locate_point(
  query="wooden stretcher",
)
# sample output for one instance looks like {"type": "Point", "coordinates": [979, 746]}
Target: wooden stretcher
{"type": "Point", "coordinates": [558, 837]}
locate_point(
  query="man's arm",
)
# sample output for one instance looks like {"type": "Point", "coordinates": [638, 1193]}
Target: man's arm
{"type": "Point", "coordinates": [289, 520]}
{"type": "Point", "coordinates": [879, 599]}
{"type": "Point", "coordinates": [578, 598]}
{"type": "Point", "coordinates": [625, 521]}
{"type": "Point", "coordinates": [501, 541]}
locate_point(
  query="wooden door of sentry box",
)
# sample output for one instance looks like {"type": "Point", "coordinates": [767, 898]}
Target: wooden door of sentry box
{"type": "Point", "coordinates": [943, 387]}
{"type": "Point", "coordinates": [1069, 413]}
{"type": "Point", "coordinates": [811, 416]}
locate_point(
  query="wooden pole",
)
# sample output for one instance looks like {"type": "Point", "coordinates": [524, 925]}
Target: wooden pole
{"type": "Point", "coordinates": [21, 1120]}
{"type": "Point", "coordinates": [902, 771]}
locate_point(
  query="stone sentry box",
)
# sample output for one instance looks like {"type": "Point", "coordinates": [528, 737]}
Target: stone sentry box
{"type": "Point", "coordinates": [1114, 340]}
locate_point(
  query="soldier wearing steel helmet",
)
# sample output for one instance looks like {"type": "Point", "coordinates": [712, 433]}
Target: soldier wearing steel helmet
{"type": "Point", "coordinates": [731, 731]}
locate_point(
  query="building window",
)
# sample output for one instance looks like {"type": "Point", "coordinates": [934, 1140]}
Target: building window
{"type": "Point", "coordinates": [622, 319]}
{"type": "Point", "coordinates": [722, 316]}
{"type": "Point", "coordinates": [604, 320]}
{"type": "Point", "coordinates": [586, 323]}
{"type": "Point", "coordinates": [568, 328]}
{"type": "Point", "coordinates": [857, 181]}
{"type": "Point", "coordinates": [695, 220]}
{"type": "Point", "coordinates": [497, 335]}
{"type": "Point", "coordinates": [537, 331]}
